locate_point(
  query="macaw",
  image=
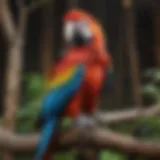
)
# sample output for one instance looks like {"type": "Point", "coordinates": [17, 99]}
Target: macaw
{"type": "Point", "coordinates": [74, 84]}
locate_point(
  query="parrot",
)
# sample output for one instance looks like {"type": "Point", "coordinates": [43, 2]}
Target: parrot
{"type": "Point", "coordinates": [74, 84]}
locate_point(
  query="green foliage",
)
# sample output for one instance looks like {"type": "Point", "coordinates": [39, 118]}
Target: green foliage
{"type": "Point", "coordinates": [151, 88]}
{"type": "Point", "coordinates": [34, 92]}
{"type": "Point", "coordinates": [106, 155]}
{"type": "Point", "coordinates": [34, 86]}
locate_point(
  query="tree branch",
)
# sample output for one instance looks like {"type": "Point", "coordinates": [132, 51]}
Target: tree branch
{"type": "Point", "coordinates": [6, 17]}
{"type": "Point", "coordinates": [114, 117]}
{"type": "Point", "coordinates": [98, 139]}
{"type": "Point", "coordinates": [7, 21]}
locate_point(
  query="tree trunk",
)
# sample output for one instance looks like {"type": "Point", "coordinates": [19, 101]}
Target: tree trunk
{"type": "Point", "coordinates": [156, 13]}
{"type": "Point", "coordinates": [132, 50]}
{"type": "Point", "coordinates": [72, 3]}
{"type": "Point", "coordinates": [13, 77]}
{"type": "Point", "coordinates": [119, 67]}
{"type": "Point", "coordinates": [47, 44]}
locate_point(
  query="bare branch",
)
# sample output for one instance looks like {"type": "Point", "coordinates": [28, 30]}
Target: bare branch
{"type": "Point", "coordinates": [7, 22]}
{"type": "Point", "coordinates": [128, 115]}
{"type": "Point", "coordinates": [6, 17]}
{"type": "Point", "coordinates": [99, 138]}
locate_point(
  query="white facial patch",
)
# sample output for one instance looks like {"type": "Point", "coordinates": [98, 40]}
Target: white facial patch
{"type": "Point", "coordinates": [68, 31]}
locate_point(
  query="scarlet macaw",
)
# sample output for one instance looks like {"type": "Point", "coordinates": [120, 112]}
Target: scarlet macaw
{"type": "Point", "coordinates": [74, 85]}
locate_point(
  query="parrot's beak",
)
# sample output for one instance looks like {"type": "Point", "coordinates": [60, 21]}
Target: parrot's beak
{"type": "Point", "coordinates": [77, 35]}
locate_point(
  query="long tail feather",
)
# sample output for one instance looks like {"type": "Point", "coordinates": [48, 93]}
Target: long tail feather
{"type": "Point", "coordinates": [49, 130]}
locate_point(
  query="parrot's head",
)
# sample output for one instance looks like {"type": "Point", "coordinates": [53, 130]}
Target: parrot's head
{"type": "Point", "coordinates": [81, 29]}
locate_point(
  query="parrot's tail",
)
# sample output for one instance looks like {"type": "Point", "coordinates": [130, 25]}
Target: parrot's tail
{"type": "Point", "coordinates": [48, 136]}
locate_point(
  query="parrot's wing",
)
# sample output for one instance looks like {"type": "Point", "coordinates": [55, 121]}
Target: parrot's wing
{"type": "Point", "coordinates": [62, 89]}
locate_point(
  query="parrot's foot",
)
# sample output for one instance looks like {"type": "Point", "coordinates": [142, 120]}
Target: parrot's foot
{"type": "Point", "coordinates": [85, 121]}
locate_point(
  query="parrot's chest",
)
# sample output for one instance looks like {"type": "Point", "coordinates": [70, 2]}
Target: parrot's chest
{"type": "Point", "coordinates": [88, 93]}
{"type": "Point", "coordinates": [78, 56]}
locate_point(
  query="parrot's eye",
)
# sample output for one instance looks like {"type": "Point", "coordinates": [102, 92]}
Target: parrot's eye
{"type": "Point", "coordinates": [84, 29]}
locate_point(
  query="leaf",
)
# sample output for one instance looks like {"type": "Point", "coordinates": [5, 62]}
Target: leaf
{"type": "Point", "coordinates": [150, 94]}
{"type": "Point", "coordinates": [34, 86]}
{"type": "Point", "coordinates": [110, 155]}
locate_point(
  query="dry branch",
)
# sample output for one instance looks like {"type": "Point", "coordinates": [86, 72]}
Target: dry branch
{"type": "Point", "coordinates": [99, 138]}
{"type": "Point", "coordinates": [116, 117]}
{"type": "Point", "coordinates": [7, 22]}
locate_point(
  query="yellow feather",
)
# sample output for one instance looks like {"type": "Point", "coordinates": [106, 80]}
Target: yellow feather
{"type": "Point", "coordinates": [61, 79]}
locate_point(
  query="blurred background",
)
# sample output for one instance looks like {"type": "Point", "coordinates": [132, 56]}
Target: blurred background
{"type": "Point", "coordinates": [133, 37]}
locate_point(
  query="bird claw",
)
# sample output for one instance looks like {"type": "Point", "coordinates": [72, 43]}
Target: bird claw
{"type": "Point", "coordinates": [85, 121]}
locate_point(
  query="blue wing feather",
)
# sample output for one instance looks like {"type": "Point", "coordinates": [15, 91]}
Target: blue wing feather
{"type": "Point", "coordinates": [54, 105]}
{"type": "Point", "coordinates": [47, 134]}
